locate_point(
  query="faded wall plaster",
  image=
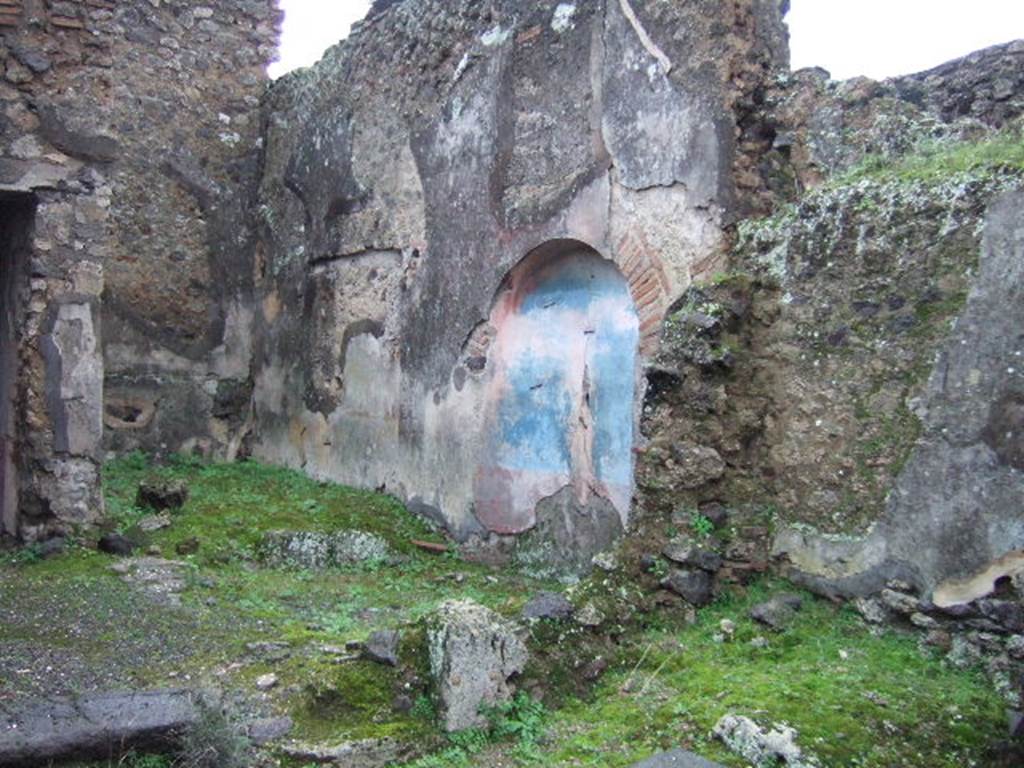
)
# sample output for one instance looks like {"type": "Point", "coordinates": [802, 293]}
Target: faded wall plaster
{"type": "Point", "coordinates": [405, 177]}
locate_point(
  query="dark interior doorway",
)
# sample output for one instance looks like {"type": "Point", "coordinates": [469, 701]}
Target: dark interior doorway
{"type": "Point", "coordinates": [16, 216]}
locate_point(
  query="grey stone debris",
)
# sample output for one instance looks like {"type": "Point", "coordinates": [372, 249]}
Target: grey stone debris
{"type": "Point", "coordinates": [698, 464]}
{"type": "Point", "coordinates": [162, 580]}
{"type": "Point", "coordinates": [269, 729]}
{"type": "Point", "coordinates": [685, 552]}
{"type": "Point", "coordinates": [156, 522]}
{"type": "Point", "coordinates": [677, 758]}
{"type": "Point", "coordinates": [364, 753]}
{"type": "Point", "coordinates": [901, 602]}
{"type": "Point", "coordinates": [589, 616]}
{"type": "Point", "coordinates": [763, 748]}
{"type": "Point", "coordinates": [266, 682]}
{"type": "Point", "coordinates": [692, 586]}
{"type": "Point", "coordinates": [159, 495]}
{"type": "Point", "coordinates": [309, 549]}
{"type": "Point", "coordinates": [473, 653]}
{"type": "Point", "coordinates": [95, 725]}
{"type": "Point", "coordinates": [777, 612]}
{"type": "Point", "coordinates": [548, 605]}
{"type": "Point", "coordinates": [1015, 646]}
{"type": "Point", "coordinates": [1008, 614]}
{"type": "Point", "coordinates": [115, 544]}
{"type": "Point", "coordinates": [872, 610]}
{"type": "Point", "coordinates": [382, 647]}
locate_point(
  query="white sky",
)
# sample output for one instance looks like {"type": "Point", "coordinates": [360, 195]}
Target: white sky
{"type": "Point", "coordinates": [877, 38]}
{"type": "Point", "coordinates": [882, 38]}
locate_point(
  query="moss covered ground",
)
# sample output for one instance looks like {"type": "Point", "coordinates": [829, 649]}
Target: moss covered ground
{"type": "Point", "coordinates": [856, 698]}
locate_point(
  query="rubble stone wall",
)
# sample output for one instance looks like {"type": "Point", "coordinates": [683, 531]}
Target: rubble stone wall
{"type": "Point", "coordinates": [850, 382]}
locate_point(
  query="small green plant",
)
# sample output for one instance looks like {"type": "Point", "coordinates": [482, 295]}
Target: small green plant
{"type": "Point", "coordinates": [522, 719]}
{"type": "Point", "coordinates": [659, 569]}
{"type": "Point", "coordinates": [423, 708]}
{"type": "Point", "coordinates": [213, 742]}
{"type": "Point", "coordinates": [185, 461]}
{"type": "Point", "coordinates": [133, 760]}
{"type": "Point", "coordinates": [701, 526]}
{"type": "Point", "coordinates": [136, 461]}
{"type": "Point", "coordinates": [31, 553]}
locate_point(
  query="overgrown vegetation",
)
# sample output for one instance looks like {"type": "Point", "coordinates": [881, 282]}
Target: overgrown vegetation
{"type": "Point", "coordinates": [856, 698]}
{"type": "Point", "coordinates": [934, 160]}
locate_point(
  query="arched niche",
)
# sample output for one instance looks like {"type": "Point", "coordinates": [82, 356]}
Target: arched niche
{"type": "Point", "coordinates": [561, 391]}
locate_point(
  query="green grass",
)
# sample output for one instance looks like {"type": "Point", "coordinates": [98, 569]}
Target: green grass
{"type": "Point", "coordinates": [231, 506]}
{"type": "Point", "coordinates": [232, 600]}
{"type": "Point", "coordinates": [856, 699]}
{"type": "Point", "coordinates": [937, 160]}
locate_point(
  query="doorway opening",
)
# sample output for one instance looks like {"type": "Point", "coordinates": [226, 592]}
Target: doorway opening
{"type": "Point", "coordinates": [17, 212]}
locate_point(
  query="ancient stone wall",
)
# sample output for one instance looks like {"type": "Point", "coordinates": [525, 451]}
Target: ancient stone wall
{"type": "Point", "coordinates": [129, 127]}
{"type": "Point", "coordinates": [412, 170]}
{"type": "Point", "coordinates": [852, 380]}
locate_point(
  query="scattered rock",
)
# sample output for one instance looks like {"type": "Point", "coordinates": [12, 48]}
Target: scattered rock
{"type": "Point", "coordinates": [876, 698]}
{"type": "Point", "coordinates": [759, 642]}
{"type": "Point", "coordinates": [473, 653]}
{"type": "Point", "coordinates": [382, 647]}
{"type": "Point", "coordinates": [589, 616]}
{"type": "Point", "coordinates": [605, 561]}
{"type": "Point", "coordinates": [963, 653]}
{"type": "Point", "coordinates": [269, 729]}
{"type": "Point", "coordinates": [160, 494]}
{"type": "Point", "coordinates": [677, 758]}
{"type": "Point", "coordinates": [923, 621]}
{"type": "Point", "coordinates": [157, 522]}
{"type": "Point", "coordinates": [692, 586]}
{"type": "Point", "coordinates": [548, 605]}
{"type": "Point", "coordinates": [762, 748]}
{"type": "Point", "coordinates": [901, 602]}
{"type": "Point", "coordinates": [872, 610]}
{"type": "Point", "coordinates": [1008, 614]}
{"type": "Point", "coordinates": [685, 552]}
{"type": "Point", "coordinates": [365, 753]}
{"type": "Point", "coordinates": [310, 549]}
{"type": "Point", "coordinates": [163, 580]}
{"type": "Point", "coordinates": [266, 682]}
{"type": "Point", "coordinates": [187, 547]}
{"type": "Point", "coordinates": [115, 544]}
{"type": "Point", "coordinates": [728, 628]}
{"type": "Point", "coordinates": [594, 669]}
{"type": "Point", "coordinates": [1015, 647]}
{"type": "Point", "coordinates": [939, 638]}
{"type": "Point", "coordinates": [778, 612]}
{"type": "Point", "coordinates": [269, 650]}
{"type": "Point", "coordinates": [52, 547]}
{"type": "Point", "coordinates": [402, 704]}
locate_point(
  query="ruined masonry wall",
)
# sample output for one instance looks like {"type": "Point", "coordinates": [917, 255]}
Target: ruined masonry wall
{"type": "Point", "coordinates": [128, 125]}
{"type": "Point", "coordinates": [424, 158]}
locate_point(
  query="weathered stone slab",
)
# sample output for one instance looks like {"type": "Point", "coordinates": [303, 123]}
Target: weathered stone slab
{"type": "Point", "coordinates": [309, 549]}
{"type": "Point", "coordinates": [96, 725]}
{"type": "Point", "coordinates": [677, 758]}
